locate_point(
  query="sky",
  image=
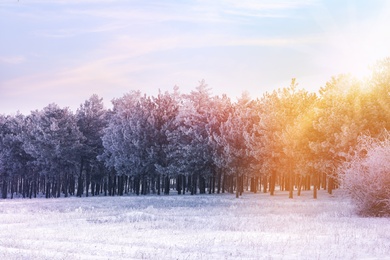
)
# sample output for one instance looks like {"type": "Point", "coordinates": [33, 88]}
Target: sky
{"type": "Point", "coordinates": [63, 51]}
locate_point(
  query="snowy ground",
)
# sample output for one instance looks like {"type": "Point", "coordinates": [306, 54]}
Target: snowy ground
{"type": "Point", "coordinates": [256, 226]}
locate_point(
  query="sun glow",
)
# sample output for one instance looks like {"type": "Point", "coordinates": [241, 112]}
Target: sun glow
{"type": "Point", "coordinates": [361, 55]}
{"type": "Point", "coordinates": [357, 52]}
{"type": "Point", "coordinates": [353, 42]}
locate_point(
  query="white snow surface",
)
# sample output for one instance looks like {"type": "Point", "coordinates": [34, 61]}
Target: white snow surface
{"type": "Point", "coordinates": [255, 226]}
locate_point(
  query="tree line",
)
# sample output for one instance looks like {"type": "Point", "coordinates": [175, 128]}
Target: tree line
{"type": "Point", "coordinates": [289, 139]}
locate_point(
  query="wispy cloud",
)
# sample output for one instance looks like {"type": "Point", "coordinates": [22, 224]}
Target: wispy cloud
{"type": "Point", "coordinates": [268, 5]}
{"type": "Point", "coordinates": [72, 32]}
{"type": "Point", "coordinates": [255, 9]}
{"type": "Point", "coordinates": [13, 60]}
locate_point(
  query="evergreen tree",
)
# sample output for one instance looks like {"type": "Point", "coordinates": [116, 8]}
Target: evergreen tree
{"type": "Point", "coordinates": [91, 120]}
{"type": "Point", "coordinates": [54, 141]}
{"type": "Point", "coordinates": [14, 161]}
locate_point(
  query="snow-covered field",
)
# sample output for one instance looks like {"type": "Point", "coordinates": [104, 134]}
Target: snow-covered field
{"type": "Point", "coordinates": [255, 226]}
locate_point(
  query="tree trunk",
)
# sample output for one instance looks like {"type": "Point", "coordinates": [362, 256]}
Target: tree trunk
{"type": "Point", "coordinates": [241, 182]}
{"type": "Point", "coordinates": [223, 185]}
{"type": "Point", "coordinates": [281, 181]}
{"type": "Point", "coordinates": [323, 181]}
{"type": "Point", "coordinates": [219, 177]}
{"type": "Point", "coordinates": [80, 186]}
{"type": "Point", "coordinates": [213, 183]}
{"type": "Point", "coordinates": [144, 185]}
{"type": "Point", "coordinates": [184, 183]}
{"type": "Point", "coordinates": [158, 184]}
{"type": "Point", "coordinates": [136, 184]}
{"type": "Point", "coordinates": [330, 184]}
{"type": "Point", "coordinates": [202, 185]}
{"type": "Point", "coordinates": [237, 185]}
{"type": "Point", "coordinates": [210, 184]}
{"type": "Point", "coordinates": [4, 188]}
{"type": "Point", "coordinates": [272, 182]}
{"type": "Point", "coordinates": [291, 184]}
{"type": "Point", "coordinates": [13, 185]}
{"type": "Point", "coordinates": [113, 185]}
{"type": "Point", "coordinates": [193, 184]}
{"type": "Point", "coordinates": [54, 190]}
{"type": "Point", "coordinates": [80, 180]}
{"type": "Point", "coordinates": [31, 189]}
{"type": "Point", "coordinates": [72, 184]}
{"type": "Point", "coordinates": [299, 185]}
{"type": "Point", "coordinates": [120, 185]}
{"type": "Point", "coordinates": [153, 184]}
{"type": "Point", "coordinates": [105, 185]}
{"type": "Point", "coordinates": [47, 190]}
{"type": "Point", "coordinates": [315, 186]}
{"type": "Point", "coordinates": [24, 187]}
{"type": "Point", "coordinates": [166, 185]}
{"type": "Point", "coordinates": [178, 183]}
{"type": "Point", "coordinates": [93, 186]}
{"type": "Point", "coordinates": [98, 188]}
{"type": "Point", "coordinates": [127, 184]}
{"type": "Point", "coordinates": [35, 184]}
{"type": "Point", "coordinates": [265, 184]}
{"type": "Point", "coordinates": [58, 195]}
{"type": "Point", "coordinates": [231, 183]}
{"type": "Point", "coordinates": [308, 183]}
{"type": "Point", "coordinates": [87, 181]}
{"type": "Point", "coordinates": [19, 185]}
{"type": "Point", "coordinates": [66, 184]}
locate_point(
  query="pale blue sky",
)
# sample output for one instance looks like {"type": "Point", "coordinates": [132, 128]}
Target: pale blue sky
{"type": "Point", "coordinates": [64, 51]}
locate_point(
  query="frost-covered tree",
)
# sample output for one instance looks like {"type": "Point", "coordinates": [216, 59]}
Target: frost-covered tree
{"type": "Point", "coordinates": [269, 148]}
{"type": "Point", "coordinates": [120, 137]}
{"type": "Point", "coordinates": [14, 161]}
{"type": "Point", "coordinates": [163, 121]}
{"type": "Point", "coordinates": [284, 131]}
{"type": "Point", "coordinates": [336, 125]}
{"type": "Point", "coordinates": [189, 141]}
{"type": "Point", "coordinates": [54, 141]}
{"type": "Point", "coordinates": [220, 109]}
{"type": "Point", "coordinates": [236, 133]}
{"type": "Point", "coordinates": [297, 114]}
{"type": "Point", "coordinates": [366, 175]}
{"type": "Point", "coordinates": [134, 138]}
{"type": "Point", "coordinates": [91, 120]}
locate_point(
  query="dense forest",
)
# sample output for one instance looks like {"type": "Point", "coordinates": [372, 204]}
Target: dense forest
{"type": "Point", "coordinates": [289, 139]}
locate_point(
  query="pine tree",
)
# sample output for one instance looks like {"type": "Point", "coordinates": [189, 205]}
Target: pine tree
{"type": "Point", "coordinates": [91, 120]}
{"type": "Point", "coordinates": [54, 141]}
